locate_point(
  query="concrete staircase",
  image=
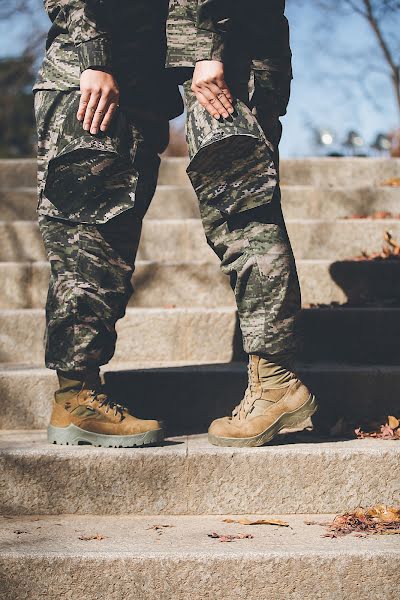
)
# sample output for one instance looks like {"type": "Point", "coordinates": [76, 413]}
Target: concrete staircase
{"type": "Point", "coordinates": [179, 358]}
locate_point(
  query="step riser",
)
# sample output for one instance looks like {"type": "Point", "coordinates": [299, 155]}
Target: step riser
{"type": "Point", "coordinates": [143, 336]}
{"type": "Point", "coordinates": [24, 285]}
{"type": "Point", "coordinates": [346, 335]}
{"type": "Point", "coordinates": [188, 399]}
{"type": "Point", "coordinates": [354, 336]}
{"type": "Point", "coordinates": [207, 577]}
{"type": "Point", "coordinates": [315, 171]}
{"type": "Point", "coordinates": [196, 480]}
{"type": "Point", "coordinates": [174, 202]}
{"type": "Point", "coordinates": [184, 241]}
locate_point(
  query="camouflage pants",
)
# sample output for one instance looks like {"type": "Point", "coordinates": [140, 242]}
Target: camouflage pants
{"type": "Point", "coordinates": [93, 194]}
{"type": "Point", "coordinates": [234, 169]}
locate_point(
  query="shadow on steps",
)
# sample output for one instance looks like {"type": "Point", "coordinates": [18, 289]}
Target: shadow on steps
{"type": "Point", "coordinates": [188, 398]}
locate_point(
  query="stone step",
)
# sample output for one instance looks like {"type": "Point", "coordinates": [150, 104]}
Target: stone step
{"type": "Point", "coordinates": [184, 240]}
{"type": "Point", "coordinates": [188, 476]}
{"type": "Point", "coordinates": [144, 335]}
{"type": "Point", "coordinates": [132, 559]}
{"type": "Point", "coordinates": [354, 335]}
{"type": "Point", "coordinates": [188, 397]}
{"type": "Point", "coordinates": [180, 202]}
{"type": "Point", "coordinates": [190, 284]}
{"type": "Point", "coordinates": [304, 171]}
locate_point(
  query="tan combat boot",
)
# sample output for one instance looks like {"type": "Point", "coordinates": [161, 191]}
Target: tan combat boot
{"type": "Point", "coordinates": [263, 412]}
{"type": "Point", "coordinates": [83, 414]}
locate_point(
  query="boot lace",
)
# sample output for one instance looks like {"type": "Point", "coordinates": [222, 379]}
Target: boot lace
{"type": "Point", "coordinates": [106, 403]}
{"type": "Point", "coordinates": [243, 408]}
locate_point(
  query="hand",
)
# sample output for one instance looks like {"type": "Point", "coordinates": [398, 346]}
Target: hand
{"type": "Point", "coordinates": [211, 91]}
{"type": "Point", "coordinates": [99, 100]}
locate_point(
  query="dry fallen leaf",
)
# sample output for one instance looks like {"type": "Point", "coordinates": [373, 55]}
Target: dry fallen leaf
{"type": "Point", "coordinates": [244, 521]}
{"type": "Point", "coordinates": [393, 422]}
{"type": "Point", "coordinates": [230, 538]}
{"type": "Point", "coordinates": [389, 252]}
{"type": "Point", "coordinates": [393, 182]}
{"type": "Point", "coordinates": [388, 431]}
{"type": "Point", "coordinates": [159, 528]}
{"type": "Point", "coordinates": [88, 538]}
{"type": "Point", "coordinates": [377, 215]}
{"type": "Point", "coordinates": [378, 519]}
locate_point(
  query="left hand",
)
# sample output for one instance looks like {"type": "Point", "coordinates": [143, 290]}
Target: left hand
{"type": "Point", "coordinates": [211, 91]}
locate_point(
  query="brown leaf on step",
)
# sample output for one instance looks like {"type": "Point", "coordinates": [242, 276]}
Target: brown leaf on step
{"type": "Point", "coordinates": [88, 538]}
{"type": "Point", "coordinates": [389, 252]}
{"type": "Point", "coordinates": [393, 422]}
{"type": "Point", "coordinates": [230, 538]}
{"type": "Point", "coordinates": [388, 431]}
{"type": "Point", "coordinates": [392, 182]}
{"type": "Point", "coordinates": [244, 521]}
{"type": "Point", "coordinates": [377, 215]}
{"type": "Point", "coordinates": [159, 528]}
{"type": "Point", "coordinates": [378, 519]}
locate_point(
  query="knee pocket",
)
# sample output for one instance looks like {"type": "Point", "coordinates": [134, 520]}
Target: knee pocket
{"type": "Point", "coordinates": [232, 163]}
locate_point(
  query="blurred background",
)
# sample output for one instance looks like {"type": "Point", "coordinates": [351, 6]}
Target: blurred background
{"type": "Point", "coordinates": [346, 87]}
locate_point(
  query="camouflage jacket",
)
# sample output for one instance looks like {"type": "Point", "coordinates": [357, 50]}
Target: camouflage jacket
{"type": "Point", "coordinates": [221, 29]}
{"type": "Point", "coordinates": [126, 37]}
{"type": "Point", "coordinates": [130, 38]}
{"type": "Point", "coordinates": [251, 37]}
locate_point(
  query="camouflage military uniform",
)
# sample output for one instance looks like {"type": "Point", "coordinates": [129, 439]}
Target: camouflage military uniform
{"type": "Point", "coordinates": [95, 190]}
{"type": "Point", "coordinates": [234, 163]}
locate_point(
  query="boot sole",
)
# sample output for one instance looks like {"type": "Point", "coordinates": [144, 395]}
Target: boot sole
{"type": "Point", "coordinates": [299, 419]}
{"type": "Point", "coordinates": [74, 436]}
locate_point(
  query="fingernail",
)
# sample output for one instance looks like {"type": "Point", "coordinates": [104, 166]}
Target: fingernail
{"type": "Point", "coordinates": [225, 115]}
{"type": "Point", "coordinates": [230, 110]}
{"type": "Point", "coordinates": [93, 131]}
{"type": "Point", "coordinates": [86, 127]}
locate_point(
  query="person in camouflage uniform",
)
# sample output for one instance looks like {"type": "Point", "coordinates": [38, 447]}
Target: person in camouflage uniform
{"type": "Point", "coordinates": [96, 182]}
{"type": "Point", "coordinates": [100, 131]}
{"type": "Point", "coordinates": [239, 87]}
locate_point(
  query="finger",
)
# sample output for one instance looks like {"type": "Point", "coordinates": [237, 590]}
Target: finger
{"type": "Point", "coordinates": [212, 99]}
{"type": "Point", "coordinates": [83, 102]}
{"type": "Point", "coordinates": [108, 116]}
{"type": "Point", "coordinates": [220, 95]}
{"type": "Point", "coordinates": [90, 110]}
{"type": "Point", "coordinates": [225, 90]}
{"type": "Point", "coordinates": [98, 116]}
{"type": "Point", "coordinates": [207, 105]}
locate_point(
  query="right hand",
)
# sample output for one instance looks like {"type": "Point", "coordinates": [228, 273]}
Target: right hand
{"type": "Point", "coordinates": [99, 100]}
{"type": "Point", "coordinates": [208, 84]}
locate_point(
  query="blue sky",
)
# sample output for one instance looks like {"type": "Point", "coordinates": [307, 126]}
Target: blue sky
{"type": "Point", "coordinates": [328, 86]}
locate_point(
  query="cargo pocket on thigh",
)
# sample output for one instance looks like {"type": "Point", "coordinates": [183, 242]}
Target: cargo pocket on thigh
{"type": "Point", "coordinates": [231, 162]}
{"type": "Point", "coordinates": [91, 178]}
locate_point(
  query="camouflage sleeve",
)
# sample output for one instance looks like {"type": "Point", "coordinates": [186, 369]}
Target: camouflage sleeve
{"type": "Point", "coordinates": [214, 20]}
{"type": "Point", "coordinates": [92, 42]}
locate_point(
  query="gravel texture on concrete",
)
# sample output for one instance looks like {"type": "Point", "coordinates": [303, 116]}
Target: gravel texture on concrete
{"type": "Point", "coordinates": [45, 557]}
{"type": "Point", "coordinates": [189, 476]}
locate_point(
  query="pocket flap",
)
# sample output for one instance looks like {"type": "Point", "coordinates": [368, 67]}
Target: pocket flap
{"type": "Point", "coordinates": [231, 164]}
